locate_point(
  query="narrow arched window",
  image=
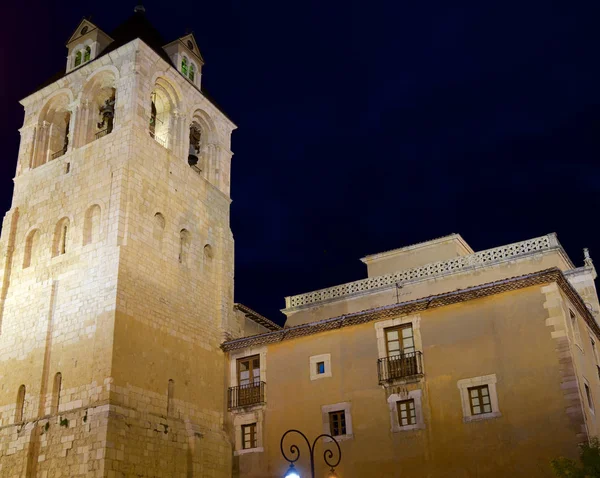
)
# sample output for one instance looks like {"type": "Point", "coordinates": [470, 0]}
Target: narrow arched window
{"type": "Point", "coordinates": [91, 225]}
{"type": "Point", "coordinates": [61, 237]}
{"type": "Point", "coordinates": [19, 411]}
{"type": "Point", "coordinates": [192, 74]}
{"type": "Point", "coordinates": [170, 392]}
{"type": "Point", "coordinates": [87, 55]}
{"type": "Point", "coordinates": [184, 245]}
{"type": "Point", "coordinates": [184, 66]}
{"type": "Point", "coordinates": [153, 114]}
{"type": "Point", "coordinates": [158, 228]}
{"type": "Point", "coordinates": [78, 58]}
{"type": "Point", "coordinates": [31, 245]}
{"type": "Point", "coordinates": [56, 393]}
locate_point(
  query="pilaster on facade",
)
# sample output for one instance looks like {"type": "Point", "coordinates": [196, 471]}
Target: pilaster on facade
{"type": "Point", "coordinates": [564, 348]}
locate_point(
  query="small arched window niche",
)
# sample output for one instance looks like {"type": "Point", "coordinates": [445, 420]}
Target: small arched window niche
{"type": "Point", "coordinates": [61, 237]}
{"type": "Point", "coordinates": [20, 408]}
{"type": "Point", "coordinates": [91, 225]}
{"type": "Point", "coordinates": [32, 244]}
{"type": "Point", "coordinates": [56, 388]}
{"type": "Point", "coordinates": [158, 228]}
{"type": "Point", "coordinates": [164, 102]}
{"type": "Point", "coordinates": [184, 246]}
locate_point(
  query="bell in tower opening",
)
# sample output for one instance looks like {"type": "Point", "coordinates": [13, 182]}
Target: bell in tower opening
{"type": "Point", "coordinates": [195, 136]}
{"type": "Point", "coordinates": [107, 113]}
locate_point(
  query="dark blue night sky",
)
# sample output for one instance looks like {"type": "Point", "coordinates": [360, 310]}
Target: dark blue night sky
{"type": "Point", "coordinates": [366, 126]}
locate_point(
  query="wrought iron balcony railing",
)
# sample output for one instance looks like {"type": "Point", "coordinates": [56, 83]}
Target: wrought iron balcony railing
{"type": "Point", "coordinates": [246, 395]}
{"type": "Point", "coordinates": [400, 367]}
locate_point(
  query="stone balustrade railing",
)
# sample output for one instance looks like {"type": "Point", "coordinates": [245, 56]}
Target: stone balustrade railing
{"type": "Point", "coordinates": [455, 264]}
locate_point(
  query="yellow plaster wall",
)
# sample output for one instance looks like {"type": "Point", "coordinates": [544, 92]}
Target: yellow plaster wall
{"type": "Point", "coordinates": [506, 335]}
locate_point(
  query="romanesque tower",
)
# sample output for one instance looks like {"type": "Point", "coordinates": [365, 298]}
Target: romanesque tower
{"type": "Point", "coordinates": [117, 267]}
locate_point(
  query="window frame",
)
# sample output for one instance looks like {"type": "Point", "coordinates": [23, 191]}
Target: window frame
{"type": "Point", "coordinates": [480, 396]}
{"type": "Point", "coordinates": [253, 440]}
{"type": "Point", "coordinates": [414, 320]}
{"type": "Point", "coordinates": [253, 379]}
{"type": "Point", "coordinates": [255, 417]}
{"type": "Point", "coordinates": [467, 383]}
{"type": "Point", "coordinates": [185, 65]}
{"type": "Point", "coordinates": [589, 397]}
{"type": "Point", "coordinates": [399, 329]}
{"type": "Point", "coordinates": [411, 412]}
{"type": "Point", "coordinates": [394, 399]}
{"type": "Point", "coordinates": [340, 415]}
{"type": "Point", "coordinates": [316, 359]}
{"type": "Point", "coordinates": [344, 407]}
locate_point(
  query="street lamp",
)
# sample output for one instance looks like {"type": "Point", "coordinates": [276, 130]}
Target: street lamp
{"type": "Point", "coordinates": [295, 455]}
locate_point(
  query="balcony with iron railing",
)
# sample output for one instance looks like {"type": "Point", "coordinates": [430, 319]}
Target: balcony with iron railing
{"type": "Point", "coordinates": [246, 395]}
{"type": "Point", "coordinates": [400, 367]}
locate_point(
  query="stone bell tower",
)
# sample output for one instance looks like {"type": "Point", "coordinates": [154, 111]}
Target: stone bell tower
{"type": "Point", "coordinates": [117, 267]}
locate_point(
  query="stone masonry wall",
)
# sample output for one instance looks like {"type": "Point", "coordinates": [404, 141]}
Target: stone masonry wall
{"type": "Point", "coordinates": [122, 315]}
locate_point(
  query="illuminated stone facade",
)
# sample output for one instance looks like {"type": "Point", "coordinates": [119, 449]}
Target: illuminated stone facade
{"type": "Point", "coordinates": [122, 353]}
{"type": "Point", "coordinates": [117, 273]}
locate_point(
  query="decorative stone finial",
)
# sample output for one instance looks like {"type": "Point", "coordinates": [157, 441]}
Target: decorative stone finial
{"type": "Point", "coordinates": [586, 257]}
{"type": "Point", "coordinates": [139, 9]}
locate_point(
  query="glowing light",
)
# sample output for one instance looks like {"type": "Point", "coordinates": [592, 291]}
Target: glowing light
{"type": "Point", "coordinates": [292, 473]}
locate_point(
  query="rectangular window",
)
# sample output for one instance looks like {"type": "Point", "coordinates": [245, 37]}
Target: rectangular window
{"type": "Point", "coordinates": [479, 398]}
{"type": "Point", "coordinates": [249, 371]}
{"type": "Point", "coordinates": [320, 368]}
{"type": "Point", "coordinates": [337, 423]}
{"type": "Point", "coordinates": [249, 436]}
{"type": "Point", "coordinates": [406, 413]}
{"type": "Point", "coordinates": [399, 340]}
{"type": "Point", "coordinates": [588, 394]}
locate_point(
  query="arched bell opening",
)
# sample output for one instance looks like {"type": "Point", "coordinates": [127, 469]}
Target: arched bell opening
{"type": "Point", "coordinates": [163, 104]}
{"type": "Point", "coordinates": [52, 132]}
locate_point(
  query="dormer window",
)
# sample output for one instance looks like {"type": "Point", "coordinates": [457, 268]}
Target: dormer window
{"type": "Point", "coordinates": [78, 58]}
{"type": "Point", "coordinates": [184, 66]}
{"type": "Point", "coordinates": [87, 54]}
{"type": "Point", "coordinates": [192, 74]}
